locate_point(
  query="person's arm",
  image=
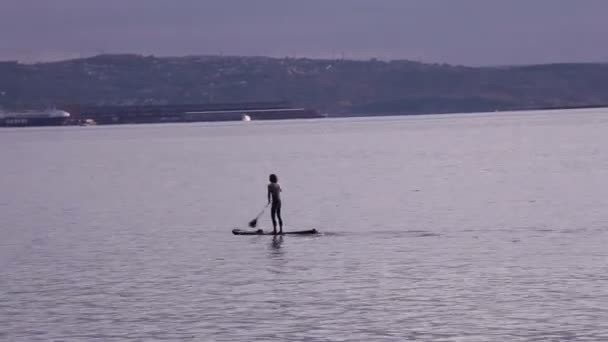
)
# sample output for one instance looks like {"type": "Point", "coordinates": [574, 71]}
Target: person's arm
{"type": "Point", "coordinates": [269, 194]}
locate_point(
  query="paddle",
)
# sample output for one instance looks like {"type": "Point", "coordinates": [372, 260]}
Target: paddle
{"type": "Point", "coordinates": [253, 223]}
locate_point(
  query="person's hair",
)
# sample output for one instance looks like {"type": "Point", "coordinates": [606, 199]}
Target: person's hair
{"type": "Point", "coordinates": [273, 178]}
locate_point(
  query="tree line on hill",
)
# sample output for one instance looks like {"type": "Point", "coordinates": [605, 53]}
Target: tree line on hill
{"type": "Point", "coordinates": [339, 87]}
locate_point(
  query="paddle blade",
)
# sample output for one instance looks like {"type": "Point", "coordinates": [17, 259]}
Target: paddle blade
{"type": "Point", "coordinates": [253, 223]}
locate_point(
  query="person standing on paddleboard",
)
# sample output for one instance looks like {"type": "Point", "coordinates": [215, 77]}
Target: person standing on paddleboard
{"type": "Point", "coordinates": [274, 198]}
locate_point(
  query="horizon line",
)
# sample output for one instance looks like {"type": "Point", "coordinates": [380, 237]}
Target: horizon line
{"type": "Point", "coordinates": [294, 57]}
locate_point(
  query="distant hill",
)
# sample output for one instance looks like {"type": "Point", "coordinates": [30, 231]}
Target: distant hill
{"type": "Point", "coordinates": [334, 86]}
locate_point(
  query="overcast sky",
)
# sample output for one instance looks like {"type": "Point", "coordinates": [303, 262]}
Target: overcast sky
{"type": "Point", "coordinates": [470, 32]}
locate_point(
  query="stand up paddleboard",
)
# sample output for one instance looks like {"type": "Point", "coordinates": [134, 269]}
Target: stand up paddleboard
{"type": "Point", "coordinates": [262, 232]}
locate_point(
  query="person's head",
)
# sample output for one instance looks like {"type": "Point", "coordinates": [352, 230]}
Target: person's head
{"type": "Point", "coordinates": [273, 178]}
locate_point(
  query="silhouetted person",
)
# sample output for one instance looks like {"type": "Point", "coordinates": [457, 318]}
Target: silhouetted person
{"type": "Point", "coordinates": [274, 197]}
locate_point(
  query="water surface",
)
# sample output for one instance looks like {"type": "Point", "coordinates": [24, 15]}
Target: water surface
{"type": "Point", "coordinates": [435, 228]}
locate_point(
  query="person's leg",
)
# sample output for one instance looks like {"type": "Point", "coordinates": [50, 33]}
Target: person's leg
{"type": "Point", "coordinates": [273, 214]}
{"type": "Point", "coordinates": [280, 219]}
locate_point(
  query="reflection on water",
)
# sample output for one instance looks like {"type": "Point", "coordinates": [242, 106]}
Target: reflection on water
{"type": "Point", "coordinates": [276, 246]}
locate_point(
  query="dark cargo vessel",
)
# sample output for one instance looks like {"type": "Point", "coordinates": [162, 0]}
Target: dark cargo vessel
{"type": "Point", "coordinates": [35, 118]}
{"type": "Point", "coordinates": [105, 115]}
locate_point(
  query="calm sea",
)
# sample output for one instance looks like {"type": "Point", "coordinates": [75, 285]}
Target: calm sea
{"type": "Point", "coordinates": [434, 228]}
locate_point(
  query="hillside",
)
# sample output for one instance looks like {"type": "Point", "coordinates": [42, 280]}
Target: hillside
{"type": "Point", "coordinates": [334, 86]}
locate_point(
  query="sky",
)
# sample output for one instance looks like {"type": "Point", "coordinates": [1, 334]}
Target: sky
{"type": "Point", "coordinates": [466, 32]}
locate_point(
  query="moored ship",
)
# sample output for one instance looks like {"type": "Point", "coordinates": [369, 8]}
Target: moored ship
{"type": "Point", "coordinates": [136, 114]}
{"type": "Point", "coordinates": [34, 118]}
